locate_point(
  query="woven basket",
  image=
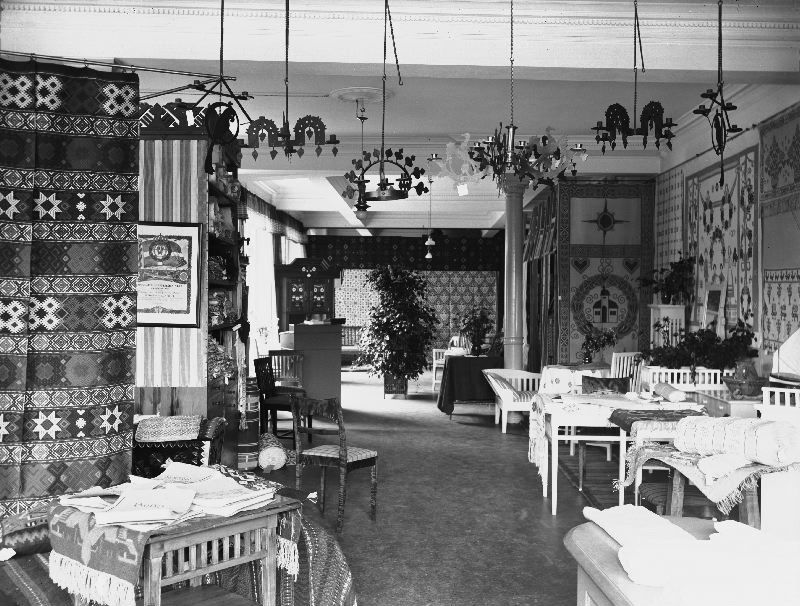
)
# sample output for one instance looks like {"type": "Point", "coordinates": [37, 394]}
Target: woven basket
{"type": "Point", "coordinates": [745, 388]}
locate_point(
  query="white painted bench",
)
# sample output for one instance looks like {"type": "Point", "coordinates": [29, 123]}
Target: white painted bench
{"type": "Point", "coordinates": [514, 391]}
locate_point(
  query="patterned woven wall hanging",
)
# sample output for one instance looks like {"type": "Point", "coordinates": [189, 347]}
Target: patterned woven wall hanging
{"type": "Point", "coordinates": [68, 213]}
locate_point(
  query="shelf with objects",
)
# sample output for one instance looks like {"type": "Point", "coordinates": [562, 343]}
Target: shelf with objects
{"type": "Point", "coordinates": [227, 309]}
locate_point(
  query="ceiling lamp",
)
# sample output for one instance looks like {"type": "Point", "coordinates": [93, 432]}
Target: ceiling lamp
{"type": "Point", "coordinates": [618, 123]}
{"type": "Point", "coordinates": [430, 241]}
{"type": "Point", "coordinates": [720, 124]}
{"type": "Point", "coordinates": [459, 166]}
{"type": "Point", "coordinates": [380, 158]}
{"type": "Point", "coordinates": [538, 159]}
{"type": "Point", "coordinates": [305, 127]}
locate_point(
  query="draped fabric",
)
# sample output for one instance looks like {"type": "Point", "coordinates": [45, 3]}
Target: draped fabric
{"type": "Point", "coordinates": [68, 256]}
{"type": "Point", "coordinates": [262, 309]}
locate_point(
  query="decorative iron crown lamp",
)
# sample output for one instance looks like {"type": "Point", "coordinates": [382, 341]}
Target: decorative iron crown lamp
{"type": "Point", "coordinates": [382, 157]}
{"type": "Point", "coordinates": [538, 159]}
{"type": "Point", "coordinates": [720, 124]}
{"type": "Point", "coordinates": [305, 127]}
{"type": "Point", "coordinates": [652, 116]}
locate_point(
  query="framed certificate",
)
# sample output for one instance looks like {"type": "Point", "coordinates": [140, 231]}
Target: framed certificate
{"type": "Point", "coordinates": [168, 292]}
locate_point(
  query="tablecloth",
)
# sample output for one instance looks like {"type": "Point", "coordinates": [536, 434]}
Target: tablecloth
{"type": "Point", "coordinates": [463, 381]}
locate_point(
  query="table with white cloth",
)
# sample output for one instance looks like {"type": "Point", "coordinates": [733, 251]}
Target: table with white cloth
{"type": "Point", "coordinates": [565, 378]}
{"type": "Point", "coordinates": [552, 414]}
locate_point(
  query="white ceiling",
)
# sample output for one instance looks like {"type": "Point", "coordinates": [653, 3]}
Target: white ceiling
{"type": "Point", "coordinates": [572, 60]}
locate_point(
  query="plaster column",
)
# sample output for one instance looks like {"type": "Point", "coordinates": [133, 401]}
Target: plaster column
{"type": "Point", "coordinates": [514, 302]}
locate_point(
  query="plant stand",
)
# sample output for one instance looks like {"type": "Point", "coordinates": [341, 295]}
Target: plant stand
{"type": "Point", "coordinates": [395, 385]}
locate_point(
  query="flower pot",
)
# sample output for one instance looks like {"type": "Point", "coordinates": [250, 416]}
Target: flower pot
{"type": "Point", "coordinates": [394, 385]}
{"type": "Point", "coordinates": [666, 298]}
{"type": "Point", "coordinates": [587, 357]}
{"type": "Point", "coordinates": [475, 350]}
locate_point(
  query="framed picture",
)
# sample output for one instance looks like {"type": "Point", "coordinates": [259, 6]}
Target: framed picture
{"type": "Point", "coordinates": [713, 309]}
{"type": "Point", "coordinates": [168, 292]}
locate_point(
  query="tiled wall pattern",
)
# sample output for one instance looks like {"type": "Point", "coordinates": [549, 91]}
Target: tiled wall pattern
{"type": "Point", "coordinates": [668, 217]}
{"type": "Point", "coordinates": [451, 293]}
{"type": "Point", "coordinates": [451, 253]}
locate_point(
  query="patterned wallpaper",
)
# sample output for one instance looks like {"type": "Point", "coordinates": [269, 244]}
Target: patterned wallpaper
{"type": "Point", "coordinates": [604, 244]}
{"type": "Point", "coordinates": [451, 253]}
{"type": "Point", "coordinates": [780, 215]}
{"type": "Point", "coordinates": [722, 233]}
{"type": "Point", "coordinates": [451, 293]}
{"type": "Point", "coordinates": [668, 217]}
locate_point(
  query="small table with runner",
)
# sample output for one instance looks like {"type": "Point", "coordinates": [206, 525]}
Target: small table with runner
{"type": "Point", "coordinates": [463, 381]}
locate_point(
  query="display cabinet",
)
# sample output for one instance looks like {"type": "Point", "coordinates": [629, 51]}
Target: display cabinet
{"type": "Point", "coordinates": [305, 291]}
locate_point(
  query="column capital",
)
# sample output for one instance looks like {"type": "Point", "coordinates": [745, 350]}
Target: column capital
{"type": "Point", "coordinates": [513, 186]}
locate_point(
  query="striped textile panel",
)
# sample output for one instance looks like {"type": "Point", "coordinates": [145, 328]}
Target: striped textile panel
{"type": "Point", "coordinates": [173, 189]}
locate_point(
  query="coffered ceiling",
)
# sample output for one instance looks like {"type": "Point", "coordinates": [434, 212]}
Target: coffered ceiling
{"type": "Point", "coordinates": [572, 59]}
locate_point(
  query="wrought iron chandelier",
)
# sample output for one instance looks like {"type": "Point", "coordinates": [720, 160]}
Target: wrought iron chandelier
{"type": "Point", "coordinates": [652, 117]}
{"type": "Point", "coordinates": [720, 124]}
{"type": "Point", "coordinates": [305, 127]}
{"type": "Point", "coordinates": [380, 158]}
{"type": "Point", "coordinates": [539, 159]}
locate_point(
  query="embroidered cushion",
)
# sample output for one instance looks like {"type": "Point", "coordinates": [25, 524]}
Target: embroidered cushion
{"type": "Point", "coordinates": [605, 385]}
{"type": "Point", "coordinates": [26, 532]}
{"type": "Point", "coordinates": [168, 429]}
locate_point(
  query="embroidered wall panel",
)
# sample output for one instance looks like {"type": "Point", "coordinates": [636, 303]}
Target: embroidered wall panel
{"type": "Point", "coordinates": [605, 235]}
{"type": "Point", "coordinates": [780, 214]}
{"type": "Point", "coordinates": [668, 217]}
{"type": "Point", "coordinates": [68, 213]}
{"type": "Point", "coordinates": [174, 189]}
{"type": "Point", "coordinates": [451, 293]}
{"type": "Point", "coordinates": [722, 233]}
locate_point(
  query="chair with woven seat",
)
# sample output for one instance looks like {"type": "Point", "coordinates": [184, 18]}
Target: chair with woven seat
{"type": "Point", "coordinates": [272, 396]}
{"type": "Point", "coordinates": [438, 364]}
{"type": "Point", "coordinates": [339, 456]}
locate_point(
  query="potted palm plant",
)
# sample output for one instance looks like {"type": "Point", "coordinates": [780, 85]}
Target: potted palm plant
{"type": "Point", "coordinates": [475, 325]}
{"type": "Point", "coordinates": [400, 330]}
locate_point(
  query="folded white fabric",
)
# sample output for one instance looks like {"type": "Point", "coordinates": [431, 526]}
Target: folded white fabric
{"type": "Point", "coordinates": [669, 393]}
{"type": "Point", "coordinates": [738, 566]}
{"type": "Point", "coordinates": [774, 443]}
{"type": "Point", "coordinates": [720, 465]}
{"type": "Point", "coordinates": [629, 524]}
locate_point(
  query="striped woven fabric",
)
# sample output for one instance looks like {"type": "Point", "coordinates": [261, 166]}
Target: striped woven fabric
{"type": "Point", "coordinates": [523, 396]}
{"type": "Point", "coordinates": [332, 451]}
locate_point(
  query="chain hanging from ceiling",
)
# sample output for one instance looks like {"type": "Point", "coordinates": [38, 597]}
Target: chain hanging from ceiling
{"type": "Point", "coordinates": [720, 124]}
{"type": "Point", "coordinates": [539, 159]}
{"type": "Point", "coordinates": [382, 157]}
{"type": "Point", "coordinates": [291, 141]}
{"type": "Point", "coordinates": [618, 122]}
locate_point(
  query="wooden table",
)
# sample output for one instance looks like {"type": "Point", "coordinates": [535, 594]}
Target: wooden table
{"type": "Point", "coordinates": [463, 381]}
{"type": "Point", "coordinates": [553, 415]}
{"type": "Point", "coordinates": [211, 543]}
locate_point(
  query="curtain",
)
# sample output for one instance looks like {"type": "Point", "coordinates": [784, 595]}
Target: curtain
{"type": "Point", "coordinates": [68, 258]}
{"type": "Point", "coordinates": [292, 249]}
{"type": "Point", "coordinates": [262, 306]}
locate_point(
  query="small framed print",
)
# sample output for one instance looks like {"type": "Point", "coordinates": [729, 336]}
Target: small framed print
{"type": "Point", "coordinates": [168, 292]}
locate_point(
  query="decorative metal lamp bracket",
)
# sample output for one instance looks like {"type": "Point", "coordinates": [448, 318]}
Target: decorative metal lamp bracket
{"type": "Point", "coordinates": [306, 127]}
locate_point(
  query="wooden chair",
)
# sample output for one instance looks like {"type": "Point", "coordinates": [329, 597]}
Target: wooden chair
{"type": "Point", "coordinates": [623, 363]}
{"type": "Point", "coordinates": [273, 397]}
{"type": "Point", "coordinates": [338, 456]}
{"type": "Point", "coordinates": [438, 364]}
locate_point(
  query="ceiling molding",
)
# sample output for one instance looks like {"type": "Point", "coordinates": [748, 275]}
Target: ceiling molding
{"type": "Point", "coordinates": [554, 14]}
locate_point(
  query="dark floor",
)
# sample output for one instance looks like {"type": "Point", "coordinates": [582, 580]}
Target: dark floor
{"type": "Point", "coordinates": [461, 518]}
